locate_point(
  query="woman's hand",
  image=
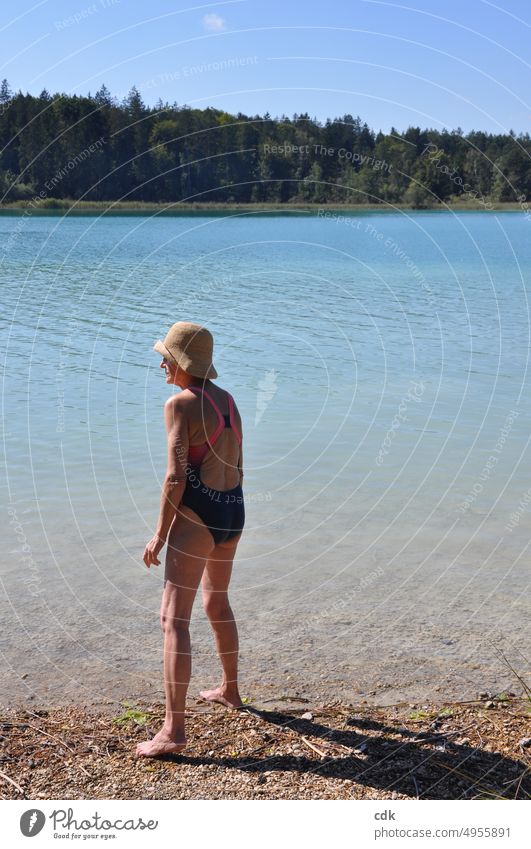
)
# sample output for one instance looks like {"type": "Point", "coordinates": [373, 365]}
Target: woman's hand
{"type": "Point", "coordinates": [152, 549]}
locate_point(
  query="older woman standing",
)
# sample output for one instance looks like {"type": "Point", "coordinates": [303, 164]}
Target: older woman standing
{"type": "Point", "coordinates": [201, 518]}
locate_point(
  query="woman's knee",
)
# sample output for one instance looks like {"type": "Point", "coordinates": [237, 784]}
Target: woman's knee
{"type": "Point", "coordinates": [172, 622]}
{"type": "Point", "coordinates": [174, 613]}
{"type": "Point", "coordinates": [216, 605]}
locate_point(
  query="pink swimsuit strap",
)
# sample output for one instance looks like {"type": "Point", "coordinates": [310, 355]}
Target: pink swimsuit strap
{"type": "Point", "coordinates": [232, 422]}
{"type": "Point", "coordinates": [221, 420]}
{"type": "Point", "coordinates": [198, 452]}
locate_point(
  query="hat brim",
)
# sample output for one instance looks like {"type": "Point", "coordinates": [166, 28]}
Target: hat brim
{"type": "Point", "coordinates": [161, 348]}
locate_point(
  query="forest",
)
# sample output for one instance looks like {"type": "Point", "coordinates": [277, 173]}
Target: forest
{"type": "Point", "coordinates": [94, 148]}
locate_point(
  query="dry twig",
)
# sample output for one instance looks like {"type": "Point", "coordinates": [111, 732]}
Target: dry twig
{"type": "Point", "coordinates": [14, 783]}
{"type": "Point", "coordinates": [319, 752]}
{"type": "Point", "coordinates": [62, 742]}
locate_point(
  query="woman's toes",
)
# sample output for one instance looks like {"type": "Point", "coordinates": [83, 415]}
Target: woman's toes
{"type": "Point", "coordinates": [219, 696]}
{"type": "Point", "coordinates": [153, 748]}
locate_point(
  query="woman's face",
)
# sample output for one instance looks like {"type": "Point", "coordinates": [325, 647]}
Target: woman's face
{"type": "Point", "coordinates": [171, 370]}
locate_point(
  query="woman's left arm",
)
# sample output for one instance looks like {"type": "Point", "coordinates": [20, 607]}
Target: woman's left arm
{"type": "Point", "coordinates": [175, 478]}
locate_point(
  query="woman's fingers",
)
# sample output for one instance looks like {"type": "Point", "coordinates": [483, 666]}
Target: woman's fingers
{"type": "Point", "coordinates": [150, 558]}
{"type": "Point", "coordinates": [151, 551]}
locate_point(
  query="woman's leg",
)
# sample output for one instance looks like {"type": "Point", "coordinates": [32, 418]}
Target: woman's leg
{"type": "Point", "coordinates": [189, 545]}
{"type": "Point", "coordinates": [215, 584]}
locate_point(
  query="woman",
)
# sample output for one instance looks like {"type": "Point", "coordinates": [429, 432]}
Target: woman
{"type": "Point", "coordinates": [201, 517]}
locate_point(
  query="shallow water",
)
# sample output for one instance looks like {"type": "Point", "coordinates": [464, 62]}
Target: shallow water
{"type": "Point", "coordinates": [380, 364]}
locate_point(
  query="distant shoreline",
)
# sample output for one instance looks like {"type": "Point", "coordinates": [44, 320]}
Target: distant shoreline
{"type": "Point", "coordinates": [52, 206]}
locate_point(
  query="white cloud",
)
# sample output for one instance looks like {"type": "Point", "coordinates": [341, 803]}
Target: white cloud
{"type": "Point", "coordinates": [213, 22]}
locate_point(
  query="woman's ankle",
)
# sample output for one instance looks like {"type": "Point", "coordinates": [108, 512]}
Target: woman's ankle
{"type": "Point", "coordinates": [173, 728]}
{"type": "Point", "coordinates": [229, 688]}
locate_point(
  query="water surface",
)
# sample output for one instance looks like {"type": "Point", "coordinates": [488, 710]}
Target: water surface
{"type": "Point", "coordinates": [380, 364]}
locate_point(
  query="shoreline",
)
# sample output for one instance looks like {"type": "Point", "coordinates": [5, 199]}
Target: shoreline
{"type": "Point", "coordinates": [52, 206]}
{"type": "Point", "coordinates": [334, 750]}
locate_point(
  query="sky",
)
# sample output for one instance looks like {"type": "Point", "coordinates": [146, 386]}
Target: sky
{"type": "Point", "coordinates": [395, 64]}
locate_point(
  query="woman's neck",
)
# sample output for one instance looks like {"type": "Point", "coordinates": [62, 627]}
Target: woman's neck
{"type": "Point", "coordinates": [197, 381]}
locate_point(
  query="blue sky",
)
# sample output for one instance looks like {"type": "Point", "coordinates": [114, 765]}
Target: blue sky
{"type": "Point", "coordinates": [421, 63]}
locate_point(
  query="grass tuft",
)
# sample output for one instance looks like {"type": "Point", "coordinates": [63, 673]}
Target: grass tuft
{"type": "Point", "coordinates": [132, 714]}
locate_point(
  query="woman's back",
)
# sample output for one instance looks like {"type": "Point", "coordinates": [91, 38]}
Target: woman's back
{"type": "Point", "coordinates": [213, 416]}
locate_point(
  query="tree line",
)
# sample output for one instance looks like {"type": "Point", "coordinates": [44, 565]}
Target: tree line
{"type": "Point", "coordinates": [95, 148]}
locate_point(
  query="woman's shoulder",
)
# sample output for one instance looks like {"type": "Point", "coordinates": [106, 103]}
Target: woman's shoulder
{"type": "Point", "coordinates": [188, 399]}
{"type": "Point", "coordinates": [181, 402]}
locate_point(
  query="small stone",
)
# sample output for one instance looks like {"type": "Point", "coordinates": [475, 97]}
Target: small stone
{"type": "Point", "coordinates": [307, 715]}
{"type": "Point", "coordinates": [525, 742]}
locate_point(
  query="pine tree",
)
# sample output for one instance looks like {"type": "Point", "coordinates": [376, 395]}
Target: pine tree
{"type": "Point", "coordinates": [103, 96]}
{"type": "Point", "coordinates": [5, 92]}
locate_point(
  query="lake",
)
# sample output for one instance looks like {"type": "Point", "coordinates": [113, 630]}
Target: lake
{"type": "Point", "coordinates": [380, 365]}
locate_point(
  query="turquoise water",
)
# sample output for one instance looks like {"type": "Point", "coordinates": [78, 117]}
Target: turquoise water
{"type": "Point", "coordinates": [381, 366]}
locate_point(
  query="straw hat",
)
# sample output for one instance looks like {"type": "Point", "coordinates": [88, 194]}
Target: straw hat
{"type": "Point", "coordinates": [190, 347]}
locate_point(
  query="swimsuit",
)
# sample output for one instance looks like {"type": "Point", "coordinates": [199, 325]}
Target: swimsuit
{"type": "Point", "coordinates": [222, 511]}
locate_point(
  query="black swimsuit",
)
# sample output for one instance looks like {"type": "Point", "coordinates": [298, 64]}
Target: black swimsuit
{"type": "Point", "coordinates": [222, 511]}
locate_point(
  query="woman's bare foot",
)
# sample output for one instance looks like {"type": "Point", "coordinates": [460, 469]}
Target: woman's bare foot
{"type": "Point", "coordinates": [162, 743]}
{"type": "Point", "coordinates": [229, 698]}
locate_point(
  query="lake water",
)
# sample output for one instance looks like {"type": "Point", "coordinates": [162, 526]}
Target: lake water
{"type": "Point", "coordinates": [380, 364]}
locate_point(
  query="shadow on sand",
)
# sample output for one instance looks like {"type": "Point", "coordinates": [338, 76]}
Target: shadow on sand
{"type": "Point", "coordinates": [423, 765]}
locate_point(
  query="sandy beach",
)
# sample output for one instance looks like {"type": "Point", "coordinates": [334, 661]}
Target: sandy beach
{"type": "Point", "coordinates": [293, 750]}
